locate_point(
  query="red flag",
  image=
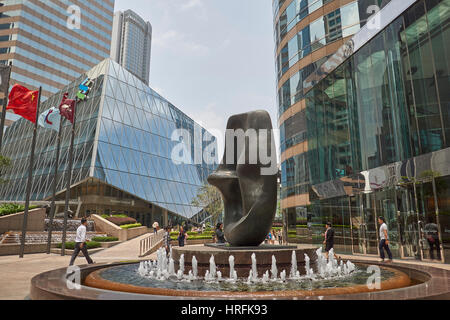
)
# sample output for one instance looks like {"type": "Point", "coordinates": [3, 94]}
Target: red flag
{"type": "Point", "coordinates": [67, 108]}
{"type": "Point", "coordinates": [23, 102]}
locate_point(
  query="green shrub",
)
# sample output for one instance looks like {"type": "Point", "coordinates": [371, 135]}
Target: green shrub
{"type": "Point", "coordinates": [198, 237]}
{"type": "Point", "coordinates": [71, 245]}
{"type": "Point", "coordinates": [131, 226]}
{"type": "Point", "coordinates": [105, 239]}
{"type": "Point", "coordinates": [120, 221]}
{"type": "Point", "coordinates": [11, 208]}
{"type": "Point", "coordinates": [105, 216]}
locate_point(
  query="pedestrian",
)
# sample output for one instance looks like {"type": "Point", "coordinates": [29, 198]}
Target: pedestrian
{"type": "Point", "coordinates": [80, 243]}
{"type": "Point", "coordinates": [329, 238]}
{"type": "Point", "coordinates": [167, 239]}
{"type": "Point", "coordinates": [432, 234]}
{"type": "Point", "coordinates": [155, 227]}
{"type": "Point", "coordinates": [220, 235]}
{"type": "Point", "coordinates": [182, 237]}
{"type": "Point", "coordinates": [280, 237]}
{"type": "Point", "coordinates": [384, 240]}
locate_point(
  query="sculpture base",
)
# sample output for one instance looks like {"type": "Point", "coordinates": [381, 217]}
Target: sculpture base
{"type": "Point", "coordinates": [258, 248]}
{"type": "Point", "coordinates": [242, 257]}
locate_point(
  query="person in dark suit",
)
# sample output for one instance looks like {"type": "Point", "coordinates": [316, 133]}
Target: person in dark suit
{"type": "Point", "coordinates": [329, 238]}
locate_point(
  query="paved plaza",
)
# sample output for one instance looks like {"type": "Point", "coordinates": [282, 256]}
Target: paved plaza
{"type": "Point", "coordinates": [16, 273]}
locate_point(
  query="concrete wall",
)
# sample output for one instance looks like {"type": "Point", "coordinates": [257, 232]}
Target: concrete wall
{"type": "Point", "coordinates": [113, 230]}
{"type": "Point", "coordinates": [13, 222]}
{"type": "Point", "coordinates": [14, 249]}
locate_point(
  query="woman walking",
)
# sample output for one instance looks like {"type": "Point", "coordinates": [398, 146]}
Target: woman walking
{"type": "Point", "coordinates": [182, 237]}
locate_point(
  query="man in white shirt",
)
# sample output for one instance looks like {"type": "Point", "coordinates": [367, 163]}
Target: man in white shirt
{"type": "Point", "coordinates": [80, 243]}
{"type": "Point", "coordinates": [384, 240]}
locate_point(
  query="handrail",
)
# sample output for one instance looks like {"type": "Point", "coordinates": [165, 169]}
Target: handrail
{"type": "Point", "coordinates": [147, 244]}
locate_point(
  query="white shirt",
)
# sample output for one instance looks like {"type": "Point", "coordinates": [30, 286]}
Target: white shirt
{"type": "Point", "coordinates": [382, 228]}
{"type": "Point", "coordinates": [81, 234]}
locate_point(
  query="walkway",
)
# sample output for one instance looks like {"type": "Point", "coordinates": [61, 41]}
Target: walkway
{"type": "Point", "coordinates": [16, 273]}
{"type": "Point", "coordinates": [125, 251]}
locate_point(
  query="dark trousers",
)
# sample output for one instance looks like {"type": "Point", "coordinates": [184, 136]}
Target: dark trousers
{"type": "Point", "coordinates": [384, 246]}
{"type": "Point", "coordinates": [438, 248]}
{"type": "Point", "coordinates": [77, 251]}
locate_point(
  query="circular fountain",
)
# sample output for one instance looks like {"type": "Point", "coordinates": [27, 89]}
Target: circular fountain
{"type": "Point", "coordinates": [166, 277]}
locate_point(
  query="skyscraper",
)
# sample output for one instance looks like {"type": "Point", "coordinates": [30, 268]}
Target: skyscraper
{"type": "Point", "coordinates": [306, 33]}
{"type": "Point", "coordinates": [375, 138]}
{"type": "Point", "coordinates": [50, 43]}
{"type": "Point", "coordinates": [132, 43]}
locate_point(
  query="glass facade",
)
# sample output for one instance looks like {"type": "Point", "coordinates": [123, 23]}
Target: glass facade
{"type": "Point", "coordinates": [378, 142]}
{"type": "Point", "coordinates": [123, 151]}
{"type": "Point", "coordinates": [338, 24]}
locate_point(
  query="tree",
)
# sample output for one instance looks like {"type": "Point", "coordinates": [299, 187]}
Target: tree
{"type": "Point", "coordinates": [4, 163]}
{"type": "Point", "coordinates": [210, 199]}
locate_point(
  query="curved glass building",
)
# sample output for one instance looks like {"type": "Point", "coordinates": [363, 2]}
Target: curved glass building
{"type": "Point", "coordinates": [370, 137]}
{"type": "Point", "coordinates": [123, 153]}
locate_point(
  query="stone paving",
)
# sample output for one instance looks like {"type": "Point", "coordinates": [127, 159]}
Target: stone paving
{"type": "Point", "coordinates": [16, 273]}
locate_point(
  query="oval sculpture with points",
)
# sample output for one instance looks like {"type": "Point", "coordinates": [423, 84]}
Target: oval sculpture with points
{"type": "Point", "coordinates": [247, 178]}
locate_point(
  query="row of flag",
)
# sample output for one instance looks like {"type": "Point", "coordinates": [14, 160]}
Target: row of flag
{"type": "Point", "coordinates": [24, 103]}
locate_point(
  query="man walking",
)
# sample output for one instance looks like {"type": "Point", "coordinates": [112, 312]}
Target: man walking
{"type": "Point", "coordinates": [384, 240]}
{"type": "Point", "coordinates": [80, 243]}
{"type": "Point", "coordinates": [329, 238]}
{"type": "Point", "coordinates": [167, 239]}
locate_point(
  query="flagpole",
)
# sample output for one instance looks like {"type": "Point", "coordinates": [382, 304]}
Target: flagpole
{"type": "Point", "coordinates": [5, 99]}
{"type": "Point", "coordinates": [55, 182]}
{"type": "Point", "coordinates": [69, 178]}
{"type": "Point", "coordinates": [30, 179]}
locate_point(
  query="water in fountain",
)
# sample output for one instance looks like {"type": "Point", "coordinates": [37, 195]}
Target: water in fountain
{"type": "Point", "coordinates": [266, 278]}
{"type": "Point", "coordinates": [327, 269]}
{"type": "Point", "coordinates": [283, 275]}
{"type": "Point", "coordinates": [309, 271]}
{"type": "Point", "coordinates": [254, 268]}
{"type": "Point", "coordinates": [293, 265]}
{"type": "Point", "coordinates": [172, 267]}
{"type": "Point", "coordinates": [194, 267]}
{"type": "Point", "coordinates": [274, 269]}
{"type": "Point", "coordinates": [212, 268]}
{"type": "Point", "coordinates": [231, 263]}
{"type": "Point", "coordinates": [181, 264]}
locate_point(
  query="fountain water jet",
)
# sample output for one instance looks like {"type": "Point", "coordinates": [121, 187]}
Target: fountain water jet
{"type": "Point", "coordinates": [274, 269]}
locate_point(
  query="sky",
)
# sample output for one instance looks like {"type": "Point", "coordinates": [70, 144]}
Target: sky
{"type": "Point", "coordinates": [211, 58]}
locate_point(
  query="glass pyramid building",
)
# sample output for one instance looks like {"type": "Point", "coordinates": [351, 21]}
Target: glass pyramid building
{"type": "Point", "coordinates": [122, 153]}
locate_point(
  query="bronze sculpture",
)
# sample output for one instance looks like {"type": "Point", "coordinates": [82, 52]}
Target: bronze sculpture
{"type": "Point", "coordinates": [248, 183]}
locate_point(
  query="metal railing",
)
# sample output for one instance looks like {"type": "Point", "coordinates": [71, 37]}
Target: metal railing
{"type": "Point", "coordinates": [146, 245]}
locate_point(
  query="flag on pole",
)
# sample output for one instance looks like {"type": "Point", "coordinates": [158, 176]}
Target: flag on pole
{"type": "Point", "coordinates": [23, 102]}
{"type": "Point", "coordinates": [67, 108]}
{"type": "Point", "coordinates": [50, 119]}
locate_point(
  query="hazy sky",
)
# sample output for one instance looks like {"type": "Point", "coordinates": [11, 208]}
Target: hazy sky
{"type": "Point", "coordinates": [211, 58]}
